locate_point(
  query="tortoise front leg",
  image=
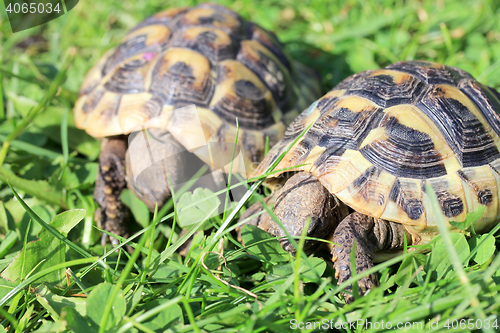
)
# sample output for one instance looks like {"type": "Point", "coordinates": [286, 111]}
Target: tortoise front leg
{"type": "Point", "coordinates": [111, 214]}
{"type": "Point", "coordinates": [371, 235]}
{"type": "Point", "coordinates": [302, 197]}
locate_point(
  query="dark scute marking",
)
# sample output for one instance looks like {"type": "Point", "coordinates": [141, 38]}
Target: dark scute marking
{"type": "Point", "coordinates": [128, 49]}
{"type": "Point", "coordinates": [408, 135]}
{"type": "Point", "coordinates": [451, 205]}
{"type": "Point", "coordinates": [486, 99]}
{"type": "Point", "coordinates": [205, 43]}
{"type": "Point", "coordinates": [256, 116]}
{"type": "Point", "coordinates": [153, 107]}
{"type": "Point", "coordinates": [463, 132]}
{"type": "Point", "coordinates": [295, 128]}
{"type": "Point", "coordinates": [92, 100]}
{"type": "Point", "coordinates": [344, 114]}
{"type": "Point", "coordinates": [337, 141]}
{"type": "Point", "coordinates": [327, 104]}
{"type": "Point", "coordinates": [329, 159]}
{"type": "Point", "coordinates": [247, 89]}
{"type": "Point", "coordinates": [406, 153]}
{"type": "Point", "coordinates": [382, 90]}
{"type": "Point", "coordinates": [270, 41]}
{"type": "Point", "coordinates": [346, 129]}
{"type": "Point", "coordinates": [364, 185]}
{"type": "Point", "coordinates": [182, 69]}
{"type": "Point", "coordinates": [485, 197]}
{"type": "Point", "coordinates": [413, 207]}
{"type": "Point", "coordinates": [276, 80]}
{"type": "Point", "coordinates": [421, 69]}
{"type": "Point", "coordinates": [127, 78]}
{"type": "Point", "coordinates": [365, 176]}
{"type": "Point", "coordinates": [252, 148]}
{"type": "Point", "coordinates": [212, 18]}
{"type": "Point", "coordinates": [176, 86]}
{"type": "Point", "coordinates": [396, 188]}
{"type": "Point", "coordinates": [206, 37]}
{"type": "Point", "coordinates": [252, 110]}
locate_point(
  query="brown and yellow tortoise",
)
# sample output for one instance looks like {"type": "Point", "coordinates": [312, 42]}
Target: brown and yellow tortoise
{"type": "Point", "coordinates": [376, 141]}
{"type": "Point", "coordinates": [207, 56]}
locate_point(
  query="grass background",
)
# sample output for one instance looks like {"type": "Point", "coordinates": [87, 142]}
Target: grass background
{"type": "Point", "coordinates": [53, 168]}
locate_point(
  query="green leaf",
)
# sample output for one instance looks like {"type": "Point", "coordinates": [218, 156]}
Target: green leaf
{"type": "Point", "coordinates": [268, 247]}
{"type": "Point", "coordinates": [485, 250]}
{"type": "Point", "coordinates": [470, 218]}
{"type": "Point", "coordinates": [190, 214]}
{"type": "Point", "coordinates": [37, 188]}
{"type": "Point", "coordinates": [96, 302]}
{"type": "Point", "coordinates": [50, 327]}
{"type": "Point", "coordinates": [439, 259]}
{"type": "Point", "coordinates": [45, 252]}
{"type": "Point", "coordinates": [54, 304]}
{"type": "Point", "coordinates": [138, 208]}
{"type": "Point", "coordinates": [164, 319]}
{"type": "Point", "coordinates": [306, 273]}
{"type": "Point", "coordinates": [76, 321]}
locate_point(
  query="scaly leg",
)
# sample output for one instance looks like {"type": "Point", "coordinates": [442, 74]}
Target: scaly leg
{"type": "Point", "coordinates": [301, 198]}
{"type": "Point", "coordinates": [111, 214]}
{"type": "Point", "coordinates": [371, 235]}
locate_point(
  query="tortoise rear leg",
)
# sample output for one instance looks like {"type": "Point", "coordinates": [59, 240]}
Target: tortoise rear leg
{"type": "Point", "coordinates": [111, 180]}
{"type": "Point", "coordinates": [371, 235]}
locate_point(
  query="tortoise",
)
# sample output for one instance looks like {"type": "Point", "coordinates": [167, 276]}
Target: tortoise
{"type": "Point", "coordinates": [207, 57]}
{"type": "Point", "coordinates": [376, 141]}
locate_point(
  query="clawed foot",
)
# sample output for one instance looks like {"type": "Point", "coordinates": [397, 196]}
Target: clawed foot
{"type": "Point", "coordinates": [343, 273]}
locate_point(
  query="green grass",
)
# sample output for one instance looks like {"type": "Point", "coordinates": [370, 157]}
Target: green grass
{"type": "Point", "coordinates": [52, 166]}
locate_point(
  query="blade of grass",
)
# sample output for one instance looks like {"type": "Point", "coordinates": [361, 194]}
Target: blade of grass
{"type": "Point", "coordinates": [226, 201]}
{"type": "Point", "coordinates": [64, 140]}
{"type": "Point", "coordinates": [151, 244]}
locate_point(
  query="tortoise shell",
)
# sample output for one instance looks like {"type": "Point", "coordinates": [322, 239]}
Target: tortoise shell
{"type": "Point", "coordinates": [206, 56]}
{"type": "Point", "coordinates": [380, 136]}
